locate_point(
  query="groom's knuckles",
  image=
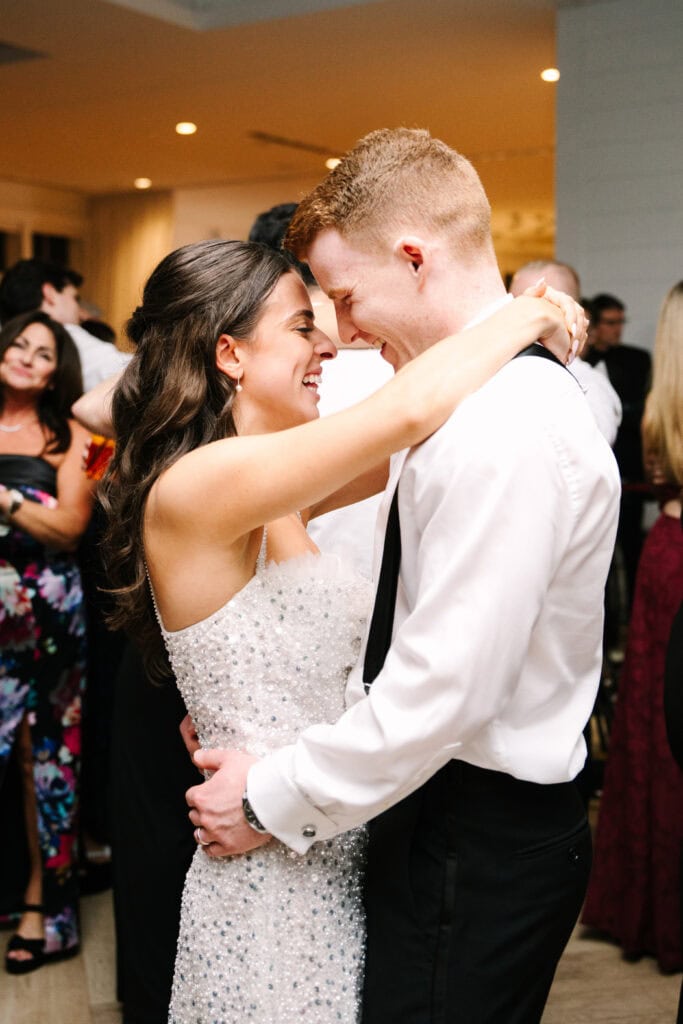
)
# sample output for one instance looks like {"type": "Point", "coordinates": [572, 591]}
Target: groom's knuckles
{"type": "Point", "coordinates": [192, 795]}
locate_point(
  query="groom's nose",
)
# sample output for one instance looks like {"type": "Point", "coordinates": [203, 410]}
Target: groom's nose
{"type": "Point", "coordinates": [344, 323]}
{"type": "Point", "coordinates": [348, 332]}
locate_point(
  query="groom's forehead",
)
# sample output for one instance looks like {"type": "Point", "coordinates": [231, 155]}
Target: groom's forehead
{"type": "Point", "coordinates": [334, 257]}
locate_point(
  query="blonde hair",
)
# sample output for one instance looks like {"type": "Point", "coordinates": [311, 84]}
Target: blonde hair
{"type": "Point", "coordinates": [397, 178]}
{"type": "Point", "coordinates": [663, 418]}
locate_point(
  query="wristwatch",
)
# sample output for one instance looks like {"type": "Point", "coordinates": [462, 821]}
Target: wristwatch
{"type": "Point", "coordinates": [250, 816]}
{"type": "Point", "coordinates": [16, 501]}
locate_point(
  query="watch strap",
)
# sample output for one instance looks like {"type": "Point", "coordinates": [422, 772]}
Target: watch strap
{"type": "Point", "coordinates": [250, 816]}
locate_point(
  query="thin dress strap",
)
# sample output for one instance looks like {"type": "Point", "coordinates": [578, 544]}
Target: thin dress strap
{"type": "Point", "coordinates": [261, 560]}
{"type": "Point", "coordinates": [154, 600]}
{"type": "Point", "coordinates": [260, 565]}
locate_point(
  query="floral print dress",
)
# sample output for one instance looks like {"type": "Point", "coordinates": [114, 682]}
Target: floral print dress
{"type": "Point", "coordinates": [42, 663]}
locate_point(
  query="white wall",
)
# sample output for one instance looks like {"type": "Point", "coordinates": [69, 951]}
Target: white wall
{"type": "Point", "coordinates": [129, 234]}
{"type": "Point", "coordinates": [619, 188]}
{"type": "Point", "coordinates": [53, 211]}
{"type": "Point", "coordinates": [228, 211]}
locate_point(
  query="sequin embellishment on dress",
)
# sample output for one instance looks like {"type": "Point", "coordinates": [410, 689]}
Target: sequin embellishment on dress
{"type": "Point", "coordinates": [271, 936]}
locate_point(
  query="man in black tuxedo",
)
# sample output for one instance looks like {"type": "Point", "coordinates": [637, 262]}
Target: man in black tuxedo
{"type": "Point", "coordinates": [628, 369]}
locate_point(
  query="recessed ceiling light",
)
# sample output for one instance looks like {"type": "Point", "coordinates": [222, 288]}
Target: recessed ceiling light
{"type": "Point", "coordinates": [333, 162]}
{"type": "Point", "coordinates": [186, 128]}
{"type": "Point", "coordinates": [143, 182]}
{"type": "Point", "coordinates": [550, 75]}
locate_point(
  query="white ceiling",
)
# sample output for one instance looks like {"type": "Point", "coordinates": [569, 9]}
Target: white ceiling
{"type": "Point", "coordinates": [99, 109]}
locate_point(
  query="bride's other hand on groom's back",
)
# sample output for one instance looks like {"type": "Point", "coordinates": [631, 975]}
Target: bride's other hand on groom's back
{"type": "Point", "coordinates": [188, 734]}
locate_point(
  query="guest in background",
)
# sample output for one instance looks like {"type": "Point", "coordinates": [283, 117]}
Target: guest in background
{"type": "Point", "coordinates": [94, 323]}
{"type": "Point", "coordinates": [99, 329]}
{"type": "Point", "coordinates": [634, 892]}
{"type": "Point", "coordinates": [628, 369]}
{"type": "Point", "coordinates": [45, 504]}
{"type": "Point", "coordinates": [673, 689]}
{"type": "Point", "coordinates": [601, 397]}
{"type": "Point", "coordinates": [673, 712]}
{"type": "Point", "coordinates": [605, 405]}
{"type": "Point", "coordinates": [32, 284]}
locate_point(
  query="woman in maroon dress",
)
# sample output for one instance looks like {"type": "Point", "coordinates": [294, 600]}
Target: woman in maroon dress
{"type": "Point", "coordinates": [634, 892]}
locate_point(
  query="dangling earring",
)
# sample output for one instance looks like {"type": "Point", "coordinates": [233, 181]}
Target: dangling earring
{"type": "Point", "coordinates": [238, 385]}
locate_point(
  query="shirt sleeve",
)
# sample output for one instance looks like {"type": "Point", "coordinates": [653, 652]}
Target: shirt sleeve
{"type": "Point", "coordinates": [457, 655]}
{"type": "Point", "coordinates": [99, 359]}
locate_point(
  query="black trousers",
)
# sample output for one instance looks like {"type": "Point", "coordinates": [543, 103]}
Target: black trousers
{"type": "Point", "coordinates": [473, 887]}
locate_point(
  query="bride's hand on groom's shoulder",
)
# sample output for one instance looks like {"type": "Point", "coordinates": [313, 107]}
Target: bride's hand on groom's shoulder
{"type": "Point", "coordinates": [572, 317]}
{"type": "Point", "coordinates": [216, 805]}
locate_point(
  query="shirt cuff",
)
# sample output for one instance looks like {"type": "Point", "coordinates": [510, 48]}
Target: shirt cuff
{"type": "Point", "coordinates": [281, 807]}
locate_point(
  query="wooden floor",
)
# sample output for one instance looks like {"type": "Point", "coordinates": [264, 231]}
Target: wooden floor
{"type": "Point", "coordinates": [593, 985]}
{"type": "Point", "coordinates": [78, 991]}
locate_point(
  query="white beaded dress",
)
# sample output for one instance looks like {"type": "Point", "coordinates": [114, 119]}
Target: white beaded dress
{"type": "Point", "coordinates": [271, 936]}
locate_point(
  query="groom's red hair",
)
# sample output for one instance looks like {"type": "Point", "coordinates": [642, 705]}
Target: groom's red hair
{"type": "Point", "coordinates": [397, 178]}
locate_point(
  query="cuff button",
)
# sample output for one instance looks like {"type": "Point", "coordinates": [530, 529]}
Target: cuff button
{"type": "Point", "coordinates": [309, 831]}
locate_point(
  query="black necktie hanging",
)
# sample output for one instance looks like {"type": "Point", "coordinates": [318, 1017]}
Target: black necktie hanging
{"type": "Point", "coordinates": [382, 621]}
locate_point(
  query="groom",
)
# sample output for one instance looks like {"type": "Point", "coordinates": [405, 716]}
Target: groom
{"type": "Point", "coordinates": [465, 715]}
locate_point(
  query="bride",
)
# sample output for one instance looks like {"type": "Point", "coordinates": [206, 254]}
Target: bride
{"type": "Point", "coordinates": [221, 461]}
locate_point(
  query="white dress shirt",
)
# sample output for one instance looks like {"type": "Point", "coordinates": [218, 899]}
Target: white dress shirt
{"type": "Point", "coordinates": [508, 517]}
{"type": "Point", "coordinates": [99, 359]}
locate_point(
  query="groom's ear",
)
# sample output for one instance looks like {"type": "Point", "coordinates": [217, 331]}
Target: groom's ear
{"type": "Point", "coordinates": [414, 252]}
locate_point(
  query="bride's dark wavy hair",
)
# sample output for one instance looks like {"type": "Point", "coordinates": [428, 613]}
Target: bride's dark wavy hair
{"type": "Point", "coordinates": [172, 399]}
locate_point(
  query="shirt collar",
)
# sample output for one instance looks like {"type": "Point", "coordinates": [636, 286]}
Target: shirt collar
{"type": "Point", "coordinates": [488, 310]}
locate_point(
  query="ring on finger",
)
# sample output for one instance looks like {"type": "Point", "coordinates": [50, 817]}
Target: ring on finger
{"type": "Point", "coordinates": [198, 837]}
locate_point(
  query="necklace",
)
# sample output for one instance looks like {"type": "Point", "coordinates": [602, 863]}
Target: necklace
{"type": "Point", "coordinates": [13, 430]}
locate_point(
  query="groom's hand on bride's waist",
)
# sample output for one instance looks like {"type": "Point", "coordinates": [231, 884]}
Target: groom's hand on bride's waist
{"type": "Point", "coordinates": [216, 806]}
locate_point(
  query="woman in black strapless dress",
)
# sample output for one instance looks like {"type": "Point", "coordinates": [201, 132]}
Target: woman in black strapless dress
{"type": "Point", "coordinates": [45, 504]}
